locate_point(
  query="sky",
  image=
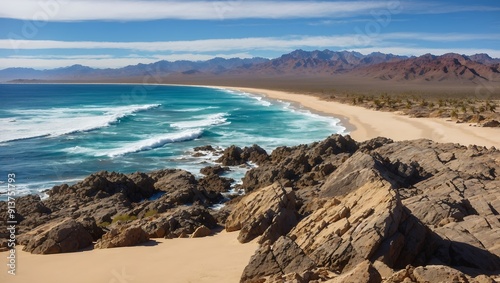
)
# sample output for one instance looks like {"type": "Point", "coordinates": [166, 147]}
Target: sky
{"type": "Point", "coordinates": [45, 34]}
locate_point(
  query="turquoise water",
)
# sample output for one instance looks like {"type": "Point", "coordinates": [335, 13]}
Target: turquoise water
{"type": "Point", "coordinates": [53, 134]}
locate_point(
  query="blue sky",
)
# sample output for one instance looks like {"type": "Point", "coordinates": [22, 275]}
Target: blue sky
{"type": "Point", "coordinates": [110, 33]}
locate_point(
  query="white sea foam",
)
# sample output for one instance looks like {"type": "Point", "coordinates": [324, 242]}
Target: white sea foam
{"type": "Point", "coordinates": [259, 98]}
{"type": "Point", "coordinates": [35, 123]}
{"type": "Point", "coordinates": [154, 142]}
{"type": "Point", "coordinates": [195, 109]}
{"type": "Point", "coordinates": [202, 121]}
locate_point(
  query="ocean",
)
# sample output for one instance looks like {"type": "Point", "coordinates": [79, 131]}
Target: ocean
{"type": "Point", "coordinates": [60, 133]}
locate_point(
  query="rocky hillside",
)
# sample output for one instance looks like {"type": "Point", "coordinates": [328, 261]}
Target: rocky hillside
{"type": "Point", "coordinates": [474, 69]}
{"type": "Point", "coordinates": [332, 211]}
{"type": "Point", "coordinates": [448, 67]}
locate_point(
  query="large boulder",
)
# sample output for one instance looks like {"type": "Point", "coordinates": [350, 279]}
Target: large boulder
{"type": "Point", "coordinates": [178, 221]}
{"type": "Point", "coordinates": [180, 186]}
{"type": "Point", "coordinates": [270, 212]}
{"type": "Point", "coordinates": [124, 236]}
{"type": "Point", "coordinates": [231, 156]}
{"type": "Point", "coordinates": [65, 237]}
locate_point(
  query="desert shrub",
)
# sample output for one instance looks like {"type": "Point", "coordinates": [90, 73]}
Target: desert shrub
{"type": "Point", "coordinates": [151, 213]}
{"type": "Point", "coordinates": [124, 218]}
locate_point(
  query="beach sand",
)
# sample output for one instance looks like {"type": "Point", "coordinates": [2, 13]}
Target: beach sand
{"type": "Point", "coordinates": [364, 124]}
{"type": "Point", "coordinates": [219, 258]}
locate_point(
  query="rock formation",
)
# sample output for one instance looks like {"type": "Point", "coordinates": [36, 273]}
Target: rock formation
{"type": "Point", "coordinates": [331, 211]}
{"type": "Point", "coordinates": [68, 236]}
{"type": "Point", "coordinates": [365, 211]}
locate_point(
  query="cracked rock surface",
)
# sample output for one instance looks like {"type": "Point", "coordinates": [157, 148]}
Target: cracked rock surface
{"type": "Point", "coordinates": [377, 211]}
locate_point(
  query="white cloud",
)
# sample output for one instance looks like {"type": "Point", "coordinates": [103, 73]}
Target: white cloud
{"type": "Point", "coordinates": [280, 44]}
{"type": "Point", "coordinates": [130, 10]}
{"type": "Point", "coordinates": [137, 10]}
{"type": "Point", "coordinates": [104, 61]}
{"type": "Point", "coordinates": [198, 50]}
{"type": "Point", "coordinates": [205, 45]}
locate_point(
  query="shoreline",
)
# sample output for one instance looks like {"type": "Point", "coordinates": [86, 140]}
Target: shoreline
{"type": "Point", "coordinates": [364, 124]}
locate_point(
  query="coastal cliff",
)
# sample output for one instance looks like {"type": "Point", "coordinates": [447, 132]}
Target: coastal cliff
{"type": "Point", "coordinates": [332, 211]}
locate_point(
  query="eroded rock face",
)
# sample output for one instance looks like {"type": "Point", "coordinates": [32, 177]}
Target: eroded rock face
{"type": "Point", "coordinates": [178, 221]}
{"type": "Point", "coordinates": [377, 208]}
{"type": "Point", "coordinates": [234, 156]}
{"type": "Point", "coordinates": [68, 236]}
{"type": "Point", "coordinates": [270, 212]}
{"type": "Point", "coordinates": [124, 236]}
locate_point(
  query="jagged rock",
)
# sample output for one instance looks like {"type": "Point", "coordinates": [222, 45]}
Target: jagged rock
{"type": "Point", "coordinates": [270, 212]}
{"type": "Point", "coordinates": [304, 165]}
{"type": "Point", "coordinates": [90, 225]}
{"type": "Point", "coordinates": [180, 186]}
{"type": "Point", "coordinates": [255, 154]}
{"type": "Point", "coordinates": [124, 236]}
{"type": "Point", "coordinates": [182, 220]}
{"type": "Point", "coordinates": [438, 274]}
{"type": "Point", "coordinates": [215, 183]}
{"type": "Point", "coordinates": [362, 273]}
{"type": "Point", "coordinates": [231, 156]}
{"type": "Point", "coordinates": [204, 148]}
{"type": "Point", "coordinates": [234, 156]}
{"type": "Point", "coordinates": [201, 232]}
{"type": "Point", "coordinates": [491, 124]}
{"type": "Point", "coordinates": [214, 170]}
{"type": "Point", "coordinates": [391, 203]}
{"type": "Point", "coordinates": [391, 206]}
{"type": "Point", "coordinates": [68, 236]}
{"type": "Point", "coordinates": [134, 187]}
{"type": "Point", "coordinates": [283, 257]}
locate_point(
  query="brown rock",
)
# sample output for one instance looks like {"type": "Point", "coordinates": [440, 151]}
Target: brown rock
{"type": "Point", "coordinates": [362, 273]}
{"type": "Point", "coordinates": [231, 156]}
{"type": "Point", "coordinates": [124, 236]}
{"type": "Point", "coordinates": [270, 211]}
{"type": "Point", "coordinates": [201, 232]}
{"type": "Point", "coordinates": [65, 237]}
{"type": "Point", "coordinates": [438, 273]}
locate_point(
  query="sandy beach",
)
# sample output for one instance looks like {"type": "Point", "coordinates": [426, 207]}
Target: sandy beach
{"type": "Point", "coordinates": [219, 258]}
{"type": "Point", "coordinates": [364, 124]}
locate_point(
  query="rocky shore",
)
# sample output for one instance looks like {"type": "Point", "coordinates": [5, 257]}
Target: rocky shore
{"type": "Point", "coordinates": [332, 211]}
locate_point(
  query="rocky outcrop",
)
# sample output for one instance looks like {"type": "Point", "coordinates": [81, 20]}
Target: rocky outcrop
{"type": "Point", "coordinates": [124, 236]}
{"type": "Point", "coordinates": [303, 165]}
{"type": "Point", "coordinates": [234, 156]}
{"type": "Point", "coordinates": [380, 207]}
{"type": "Point", "coordinates": [331, 211]}
{"type": "Point", "coordinates": [435, 273]}
{"type": "Point", "coordinates": [178, 221]}
{"type": "Point", "coordinates": [214, 170]}
{"type": "Point", "coordinates": [270, 212]}
{"type": "Point", "coordinates": [201, 232]}
{"type": "Point", "coordinates": [165, 203]}
{"type": "Point", "coordinates": [215, 184]}
{"type": "Point", "coordinates": [65, 237]}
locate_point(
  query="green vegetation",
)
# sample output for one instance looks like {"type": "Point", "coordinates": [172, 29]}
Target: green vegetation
{"type": "Point", "coordinates": [151, 213]}
{"type": "Point", "coordinates": [103, 224]}
{"type": "Point", "coordinates": [124, 218]}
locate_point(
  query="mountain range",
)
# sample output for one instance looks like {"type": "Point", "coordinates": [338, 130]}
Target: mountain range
{"type": "Point", "coordinates": [473, 69]}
